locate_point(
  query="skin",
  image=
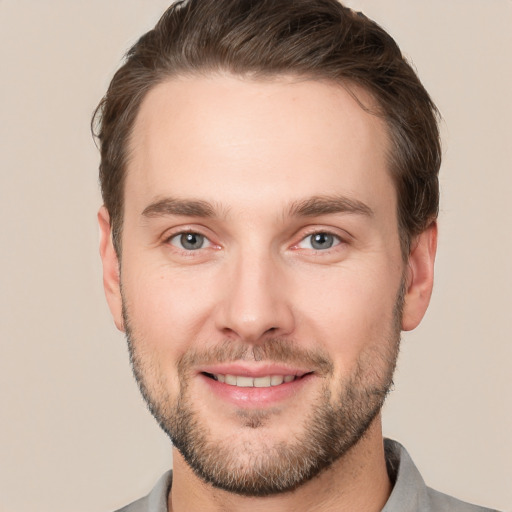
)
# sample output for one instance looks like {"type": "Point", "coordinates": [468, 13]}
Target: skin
{"type": "Point", "coordinates": [252, 150]}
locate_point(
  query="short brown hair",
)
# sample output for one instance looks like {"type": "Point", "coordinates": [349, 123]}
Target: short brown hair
{"type": "Point", "coordinates": [319, 39]}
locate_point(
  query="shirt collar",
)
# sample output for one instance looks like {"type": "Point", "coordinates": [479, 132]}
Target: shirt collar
{"type": "Point", "coordinates": [409, 492]}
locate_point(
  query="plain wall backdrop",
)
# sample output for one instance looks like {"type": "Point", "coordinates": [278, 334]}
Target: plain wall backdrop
{"type": "Point", "coordinates": [74, 433]}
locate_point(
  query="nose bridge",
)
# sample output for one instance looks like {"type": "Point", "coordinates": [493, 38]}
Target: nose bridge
{"type": "Point", "coordinates": [255, 301]}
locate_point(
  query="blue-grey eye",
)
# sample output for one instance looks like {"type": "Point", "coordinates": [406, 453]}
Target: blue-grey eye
{"type": "Point", "coordinates": [319, 241]}
{"type": "Point", "coordinates": [189, 241]}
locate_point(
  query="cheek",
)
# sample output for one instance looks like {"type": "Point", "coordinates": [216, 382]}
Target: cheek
{"type": "Point", "coordinates": [168, 311]}
{"type": "Point", "coordinates": [166, 317]}
{"type": "Point", "coordinates": [349, 313]}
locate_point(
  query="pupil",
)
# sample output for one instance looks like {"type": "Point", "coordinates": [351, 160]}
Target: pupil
{"type": "Point", "coordinates": [192, 241]}
{"type": "Point", "coordinates": [322, 241]}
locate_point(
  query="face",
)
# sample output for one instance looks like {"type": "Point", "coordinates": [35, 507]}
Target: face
{"type": "Point", "coordinates": [261, 281]}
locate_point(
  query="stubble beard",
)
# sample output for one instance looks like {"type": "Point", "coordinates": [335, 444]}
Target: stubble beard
{"type": "Point", "coordinates": [332, 427]}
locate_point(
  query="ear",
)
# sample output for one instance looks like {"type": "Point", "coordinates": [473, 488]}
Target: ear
{"type": "Point", "coordinates": [111, 279]}
{"type": "Point", "coordinates": [420, 277]}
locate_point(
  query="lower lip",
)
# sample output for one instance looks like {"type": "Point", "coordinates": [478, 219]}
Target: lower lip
{"type": "Point", "coordinates": [256, 397]}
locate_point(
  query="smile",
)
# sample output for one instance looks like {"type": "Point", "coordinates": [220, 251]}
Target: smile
{"type": "Point", "coordinates": [243, 381]}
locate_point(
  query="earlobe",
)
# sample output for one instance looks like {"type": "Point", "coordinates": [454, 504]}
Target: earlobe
{"type": "Point", "coordinates": [110, 262]}
{"type": "Point", "coordinates": [420, 277]}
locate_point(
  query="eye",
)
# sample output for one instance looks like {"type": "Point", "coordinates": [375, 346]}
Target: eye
{"type": "Point", "coordinates": [189, 241]}
{"type": "Point", "coordinates": [319, 241]}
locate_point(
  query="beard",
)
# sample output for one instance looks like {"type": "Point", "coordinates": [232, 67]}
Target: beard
{"type": "Point", "coordinates": [335, 422]}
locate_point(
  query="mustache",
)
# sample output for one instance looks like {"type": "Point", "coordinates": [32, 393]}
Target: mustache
{"type": "Point", "coordinates": [275, 350]}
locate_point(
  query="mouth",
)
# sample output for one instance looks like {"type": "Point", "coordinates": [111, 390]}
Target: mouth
{"type": "Point", "coordinates": [244, 381]}
{"type": "Point", "coordinates": [248, 386]}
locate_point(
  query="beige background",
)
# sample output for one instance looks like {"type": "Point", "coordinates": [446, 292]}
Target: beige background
{"type": "Point", "coordinates": [75, 435]}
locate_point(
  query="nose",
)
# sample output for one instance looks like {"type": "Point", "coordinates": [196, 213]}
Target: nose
{"type": "Point", "coordinates": [256, 302]}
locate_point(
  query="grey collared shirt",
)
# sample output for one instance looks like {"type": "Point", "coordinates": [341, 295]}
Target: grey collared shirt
{"type": "Point", "coordinates": [410, 494]}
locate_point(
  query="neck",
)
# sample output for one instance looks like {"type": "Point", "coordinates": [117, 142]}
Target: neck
{"type": "Point", "coordinates": [357, 481]}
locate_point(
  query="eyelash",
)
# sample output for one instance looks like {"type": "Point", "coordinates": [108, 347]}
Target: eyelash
{"type": "Point", "coordinates": [337, 240]}
{"type": "Point", "coordinates": [180, 234]}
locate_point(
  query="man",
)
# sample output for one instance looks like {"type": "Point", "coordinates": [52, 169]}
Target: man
{"type": "Point", "coordinates": [269, 175]}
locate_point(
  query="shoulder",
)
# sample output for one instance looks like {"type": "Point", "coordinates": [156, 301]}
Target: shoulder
{"type": "Point", "coordinates": [156, 500]}
{"type": "Point", "coordinates": [137, 506]}
{"type": "Point", "coordinates": [442, 502]}
{"type": "Point", "coordinates": [410, 494]}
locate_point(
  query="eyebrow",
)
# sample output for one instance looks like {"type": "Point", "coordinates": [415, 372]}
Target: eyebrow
{"type": "Point", "coordinates": [173, 206]}
{"type": "Point", "coordinates": [310, 207]}
{"type": "Point", "coordinates": [325, 205]}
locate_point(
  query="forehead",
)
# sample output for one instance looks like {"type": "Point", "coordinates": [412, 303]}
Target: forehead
{"type": "Point", "coordinates": [225, 138]}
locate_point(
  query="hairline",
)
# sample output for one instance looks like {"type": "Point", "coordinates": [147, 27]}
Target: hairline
{"type": "Point", "coordinates": [352, 87]}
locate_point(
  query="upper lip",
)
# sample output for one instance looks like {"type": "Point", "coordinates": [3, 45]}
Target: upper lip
{"type": "Point", "coordinates": [246, 370]}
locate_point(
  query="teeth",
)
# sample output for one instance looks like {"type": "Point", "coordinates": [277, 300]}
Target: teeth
{"type": "Point", "coordinates": [257, 382]}
{"type": "Point", "coordinates": [262, 382]}
{"type": "Point", "coordinates": [275, 380]}
{"type": "Point", "coordinates": [231, 380]}
{"type": "Point", "coordinates": [244, 382]}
